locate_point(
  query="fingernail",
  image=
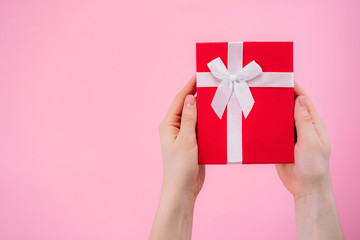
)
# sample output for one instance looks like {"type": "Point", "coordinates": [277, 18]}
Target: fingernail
{"type": "Point", "coordinates": [190, 100]}
{"type": "Point", "coordinates": [302, 101]}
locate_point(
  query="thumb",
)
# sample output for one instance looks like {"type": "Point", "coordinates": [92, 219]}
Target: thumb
{"type": "Point", "coordinates": [303, 120]}
{"type": "Point", "coordinates": [188, 116]}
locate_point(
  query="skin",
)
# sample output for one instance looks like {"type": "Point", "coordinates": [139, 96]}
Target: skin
{"type": "Point", "coordinates": [308, 180]}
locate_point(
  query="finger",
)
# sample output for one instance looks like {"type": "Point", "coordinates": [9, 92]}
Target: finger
{"type": "Point", "coordinates": [176, 107]}
{"type": "Point", "coordinates": [170, 126]}
{"type": "Point", "coordinates": [303, 121]}
{"type": "Point", "coordinates": [317, 122]}
{"type": "Point", "coordinates": [298, 90]}
{"type": "Point", "coordinates": [188, 118]}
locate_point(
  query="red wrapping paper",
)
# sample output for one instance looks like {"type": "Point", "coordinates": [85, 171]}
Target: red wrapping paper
{"type": "Point", "coordinates": [268, 131]}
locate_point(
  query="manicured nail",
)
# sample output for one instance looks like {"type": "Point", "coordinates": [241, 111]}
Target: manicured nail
{"type": "Point", "coordinates": [302, 101]}
{"type": "Point", "coordinates": [190, 100]}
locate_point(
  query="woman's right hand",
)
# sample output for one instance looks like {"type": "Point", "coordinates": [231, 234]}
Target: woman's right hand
{"type": "Point", "coordinates": [308, 179]}
{"type": "Point", "coordinates": [312, 151]}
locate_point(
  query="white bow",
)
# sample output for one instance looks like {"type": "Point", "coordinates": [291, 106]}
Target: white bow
{"type": "Point", "coordinates": [233, 81]}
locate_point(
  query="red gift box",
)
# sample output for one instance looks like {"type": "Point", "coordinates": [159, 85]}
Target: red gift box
{"type": "Point", "coordinates": [266, 135]}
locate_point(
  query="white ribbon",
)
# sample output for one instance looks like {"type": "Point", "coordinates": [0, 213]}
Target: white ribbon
{"type": "Point", "coordinates": [230, 82]}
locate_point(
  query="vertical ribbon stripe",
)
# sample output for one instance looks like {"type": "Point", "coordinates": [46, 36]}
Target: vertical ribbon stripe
{"type": "Point", "coordinates": [234, 112]}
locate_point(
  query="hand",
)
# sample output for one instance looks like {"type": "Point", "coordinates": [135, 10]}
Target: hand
{"type": "Point", "coordinates": [182, 174]}
{"type": "Point", "coordinates": [312, 150]}
{"type": "Point", "coordinates": [308, 180]}
{"type": "Point", "coordinates": [183, 177]}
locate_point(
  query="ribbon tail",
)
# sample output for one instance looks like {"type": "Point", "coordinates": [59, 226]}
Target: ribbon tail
{"type": "Point", "coordinates": [244, 96]}
{"type": "Point", "coordinates": [221, 97]}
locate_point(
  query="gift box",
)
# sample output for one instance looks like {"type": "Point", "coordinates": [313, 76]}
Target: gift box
{"type": "Point", "coordinates": [245, 102]}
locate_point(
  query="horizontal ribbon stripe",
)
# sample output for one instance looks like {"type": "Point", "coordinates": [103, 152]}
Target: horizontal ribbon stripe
{"type": "Point", "coordinates": [266, 79]}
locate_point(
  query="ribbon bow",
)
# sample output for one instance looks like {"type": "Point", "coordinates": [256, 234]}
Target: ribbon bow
{"type": "Point", "coordinates": [230, 82]}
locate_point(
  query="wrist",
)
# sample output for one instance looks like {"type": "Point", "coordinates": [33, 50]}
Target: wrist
{"type": "Point", "coordinates": [176, 197]}
{"type": "Point", "coordinates": [316, 215]}
{"type": "Point", "coordinates": [174, 216]}
{"type": "Point", "coordinates": [318, 198]}
{"type": "Point", "coordinates": [316, 188]}
{"type": "Point", "coordinates": [315, 202]}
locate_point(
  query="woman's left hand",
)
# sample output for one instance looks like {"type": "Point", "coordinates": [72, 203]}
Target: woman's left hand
{"type": "Point", "coordinates": [182, 174]}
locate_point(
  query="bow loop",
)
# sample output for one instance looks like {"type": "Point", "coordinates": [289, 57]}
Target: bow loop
{"type": "Point", "coordinates": [230, 82]}
{"type": "Point", "coordinates": [218, 69]}
{"type": "Point", "coordinates": [250, 71]}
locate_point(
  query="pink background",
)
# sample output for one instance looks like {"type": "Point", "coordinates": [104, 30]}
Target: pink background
{"type": "Point", "coordinates": [84, 85]}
